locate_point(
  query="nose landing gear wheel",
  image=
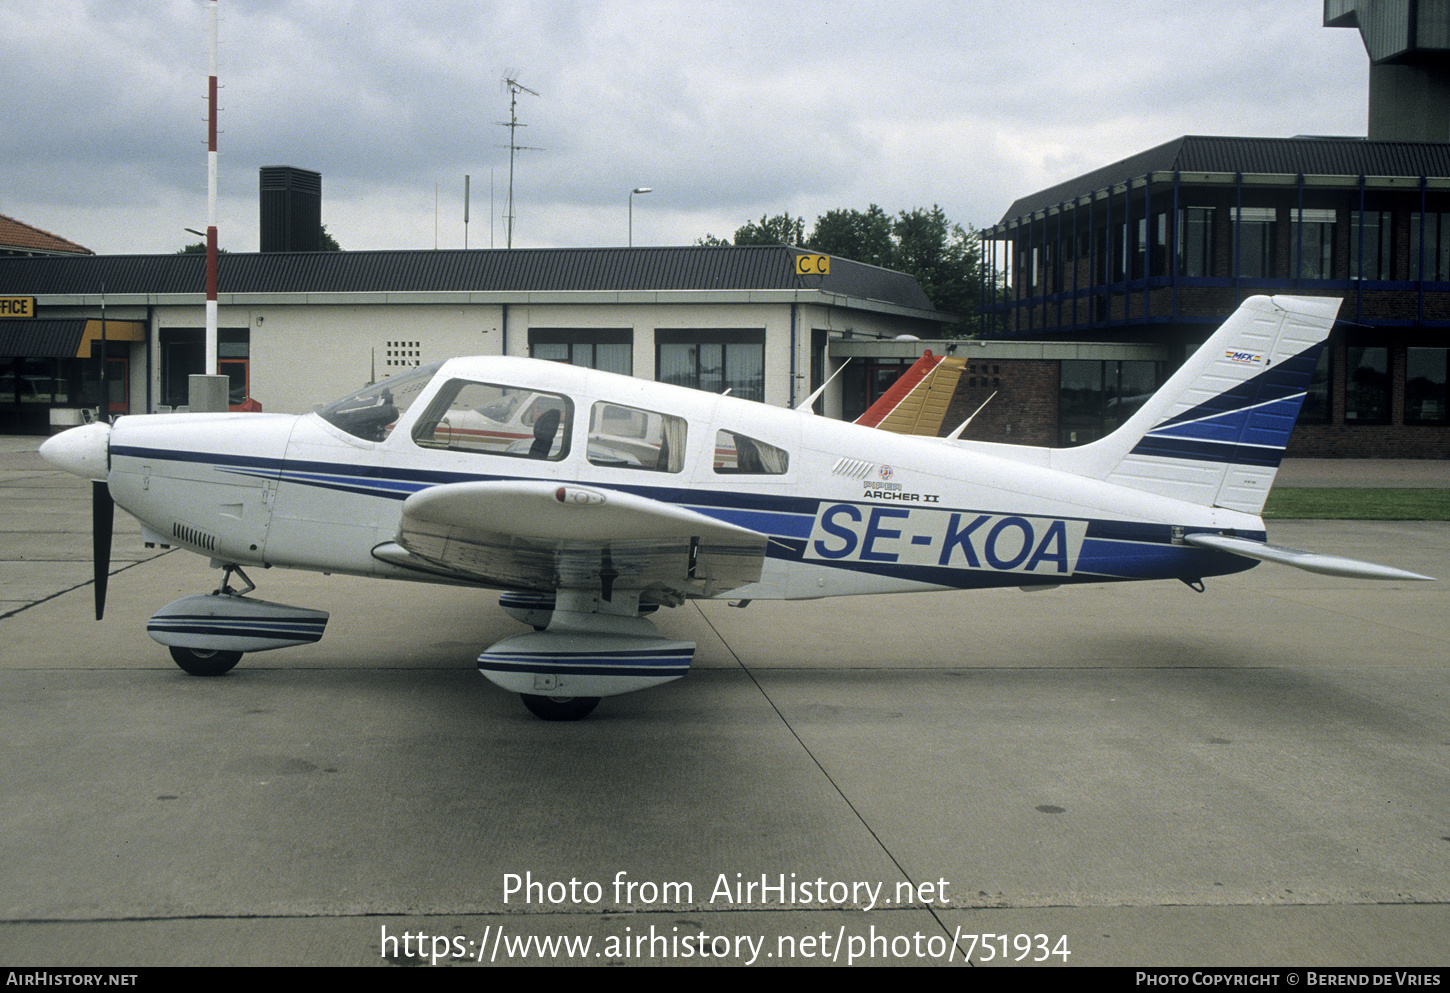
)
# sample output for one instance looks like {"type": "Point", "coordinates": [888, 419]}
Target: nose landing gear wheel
{"type": "Point", "coordinates": [552, 708]}
{"type": "Point", "coordinates": [200, 662]}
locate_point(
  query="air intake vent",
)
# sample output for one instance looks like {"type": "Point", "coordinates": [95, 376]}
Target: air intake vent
{"type": "Point", "coordinates": [853, 468]}
{"type": "Point", "coordinates": [193, 536]}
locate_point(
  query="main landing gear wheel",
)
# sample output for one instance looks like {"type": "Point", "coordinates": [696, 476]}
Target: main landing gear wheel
{"type": "Point", "coordinates": [565, 708]}
{"type": "Point", "coordinates": [200, 662]}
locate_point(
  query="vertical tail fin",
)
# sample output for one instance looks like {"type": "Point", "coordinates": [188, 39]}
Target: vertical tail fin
{"type": "Point", "coordinates": [1214, 434]}
{"type": "Point", "coordinates": [917, 402]}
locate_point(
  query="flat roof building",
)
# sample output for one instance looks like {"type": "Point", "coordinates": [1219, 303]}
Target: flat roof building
{"type": "Point", "coordinates": [297, 329]}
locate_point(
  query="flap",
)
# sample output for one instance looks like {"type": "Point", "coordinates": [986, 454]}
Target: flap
{"type": "Point", "coordinates": [536, 534]}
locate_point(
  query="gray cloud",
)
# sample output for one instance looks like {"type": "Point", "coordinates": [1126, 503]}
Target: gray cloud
{"type": "Point", "coordinates": [729, 110]}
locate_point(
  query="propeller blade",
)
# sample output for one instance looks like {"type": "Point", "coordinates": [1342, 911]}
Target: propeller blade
{"type": "Point", "coordinates": [103, 515]}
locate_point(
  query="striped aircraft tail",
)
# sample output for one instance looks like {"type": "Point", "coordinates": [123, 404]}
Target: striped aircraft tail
{"type": "Point", "coordinates": [917, 402]}
{"type": "Point", "coordinates": [1215, 433]}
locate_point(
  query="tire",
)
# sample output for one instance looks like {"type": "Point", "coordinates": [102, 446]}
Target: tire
{"type": "Point", "coordinates": [551, 708]}
{"type": "Point", "coordinates": [201, 662]}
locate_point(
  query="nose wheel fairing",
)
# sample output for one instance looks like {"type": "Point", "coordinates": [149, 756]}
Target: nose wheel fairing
{"type": "Point", "coordinates": [224, 621]}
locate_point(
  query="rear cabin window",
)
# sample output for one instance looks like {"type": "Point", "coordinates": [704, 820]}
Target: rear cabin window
{"type": "Point", "coordinates": [629, 438]}
{"type": "Point", "coordinates": [488, 418]}
{"type": "Point", "coordinates": [737, 455]}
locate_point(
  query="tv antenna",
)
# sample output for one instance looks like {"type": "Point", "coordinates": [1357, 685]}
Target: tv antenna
{"type": "Point", "coordinates": [514, 88]}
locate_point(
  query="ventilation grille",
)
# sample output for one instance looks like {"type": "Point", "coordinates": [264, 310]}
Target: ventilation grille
{"type": "Point", "coordinates": [853, 468]}
{"type": "Point", "coordinates": [193, 536]}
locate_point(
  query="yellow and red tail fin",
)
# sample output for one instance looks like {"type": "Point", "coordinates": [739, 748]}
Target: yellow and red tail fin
{"type": "Point", "coordinates": [917, 402]}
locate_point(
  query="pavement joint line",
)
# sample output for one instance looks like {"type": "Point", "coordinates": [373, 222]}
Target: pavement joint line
{"type": "Point", "coordinates": [89, 582]}
{"type": "Point", "coordinates": [947, 932]}
{"type": "Point", "coordinates": [344, 915]}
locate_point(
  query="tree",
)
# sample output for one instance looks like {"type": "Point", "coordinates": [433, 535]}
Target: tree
{"type": "Point", "coordinates": [329, 243]}
{"type": "Point", "coordinates": [852, 234]}
{"type": "Point", "coordinates": [198, 248]}
{"type": "Point", "coordinates": [782, 229]}
{"type": "Point", "coordinates": [942, 257]}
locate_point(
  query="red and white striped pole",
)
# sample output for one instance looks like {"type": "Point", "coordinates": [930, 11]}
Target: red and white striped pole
{"type": "Point", "coordinates": [211, 367]}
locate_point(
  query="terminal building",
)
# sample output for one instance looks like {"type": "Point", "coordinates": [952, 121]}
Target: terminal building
{"type": "Point", "coordinates": [297, 329]}
{"type": "Point", "coordinates": [1162, 246]}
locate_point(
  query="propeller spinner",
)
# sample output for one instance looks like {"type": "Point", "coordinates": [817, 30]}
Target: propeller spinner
{"type": "Point", "coordinates": [85, 452]}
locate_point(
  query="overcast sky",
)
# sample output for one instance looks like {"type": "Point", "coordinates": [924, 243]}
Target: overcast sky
{"type": "Point", "coordinates": [729, 110]}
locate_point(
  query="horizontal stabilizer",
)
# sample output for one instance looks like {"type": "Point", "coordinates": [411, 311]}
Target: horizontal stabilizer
{"type": "Point", "coordinates": [1328, 565]}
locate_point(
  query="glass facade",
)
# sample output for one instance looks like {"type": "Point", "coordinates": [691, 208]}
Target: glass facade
{"type": "Point", "coordinates": [1367, 385]}
{"type": "Point", "coordinates": [1096, 397]}
{"type": "Point", "coordinates": [1425, 373]}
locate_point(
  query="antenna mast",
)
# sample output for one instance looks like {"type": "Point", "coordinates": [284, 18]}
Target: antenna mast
{"type": "Point", "coordinates": [515, 88]}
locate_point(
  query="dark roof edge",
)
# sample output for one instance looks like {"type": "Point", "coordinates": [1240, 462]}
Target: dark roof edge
{"type": "Point", "coordinates": [1302, 154]}
{"type": "Point", "coordinates": [699, 268]}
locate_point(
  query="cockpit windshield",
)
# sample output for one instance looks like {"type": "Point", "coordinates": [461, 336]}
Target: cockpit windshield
{"type": "Point", "coordinates": [372, 412]}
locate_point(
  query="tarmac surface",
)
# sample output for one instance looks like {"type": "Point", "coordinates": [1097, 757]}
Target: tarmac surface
{"type": "Point", "coordinates": [1145, 776]}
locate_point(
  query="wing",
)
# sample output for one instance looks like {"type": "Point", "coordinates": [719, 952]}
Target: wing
{"type": "Point", "coordinates": [539, 535]}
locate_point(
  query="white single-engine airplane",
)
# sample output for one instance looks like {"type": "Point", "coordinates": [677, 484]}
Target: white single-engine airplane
{"type": "Point", "coordinates": [613, 496]}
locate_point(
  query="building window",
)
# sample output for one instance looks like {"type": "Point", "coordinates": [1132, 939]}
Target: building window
{"type": "Point", "coordinates": [1195, 242]}
{"type": "Point", "coordinates": [1367, 385]}
{"type": "Point", "coordinates": [183, 354]}
{"type": "Point", "coordinates": [713, 361]}
{"type": "Point", "coordinates": [1369, 244]}
{"type": "Point", "coordinates": [1430, 260]}
{"type": "Point", "coordinates": [1254, 232]}
{"type": "Point", "coordinates": [607, 349]}
{"type": "Point", "coordinates": [1313, 242]}
{"type": "Point", "coordinates": [1316, 396]}
{"type": "Point", "coordinates": [1096, 397]}
{"type": "Point", "coordinates": [1425, 370]}
{"type": "Point", "coordinates": [865, 380]}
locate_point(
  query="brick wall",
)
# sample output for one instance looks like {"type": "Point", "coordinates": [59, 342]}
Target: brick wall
{"type": "Point", "coordinates": [1024, 411]}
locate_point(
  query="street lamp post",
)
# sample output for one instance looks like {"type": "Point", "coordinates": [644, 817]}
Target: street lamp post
{"type": "Point", "coordinates": [637, 189]}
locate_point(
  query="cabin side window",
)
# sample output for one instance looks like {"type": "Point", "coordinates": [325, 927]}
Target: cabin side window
{"type": "Point", "coordinates": [737, 455]}
{"type": "Point", "coordinates": [492, 419]}
{"type": "Point", "coordinates": [624, 437]}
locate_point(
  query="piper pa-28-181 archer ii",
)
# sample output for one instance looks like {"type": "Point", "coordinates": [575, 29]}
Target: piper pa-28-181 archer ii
{"type": "Point", "coordinates": [593, 499]}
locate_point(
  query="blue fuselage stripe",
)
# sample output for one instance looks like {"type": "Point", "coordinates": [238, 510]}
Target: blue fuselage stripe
{"type": "Point", "coordinates": [1111, 549]}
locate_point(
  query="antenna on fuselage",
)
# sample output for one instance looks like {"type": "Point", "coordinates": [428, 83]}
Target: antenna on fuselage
{"type": "Point", "coordinates": [956, 435]}
{"type": "Point", "coordinates": [806, 403]}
